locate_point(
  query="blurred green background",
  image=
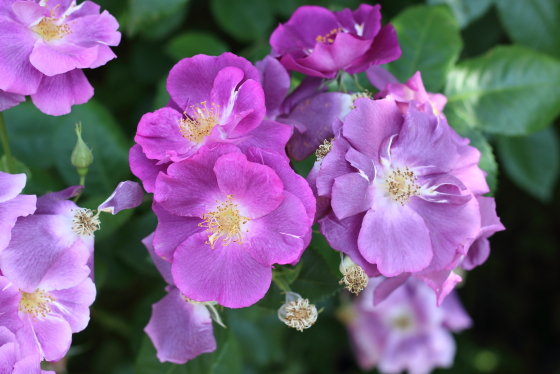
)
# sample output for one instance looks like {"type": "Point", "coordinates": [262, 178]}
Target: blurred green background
{"type": "Point", "coordinates": [496, 60]}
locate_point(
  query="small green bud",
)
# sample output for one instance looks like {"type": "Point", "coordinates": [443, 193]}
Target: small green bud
{"type": "Point", "coordinates": [81, 155]}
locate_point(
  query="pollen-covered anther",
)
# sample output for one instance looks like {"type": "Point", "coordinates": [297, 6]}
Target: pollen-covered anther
{"type": "Point", "coordinates": [329, 37]}
{"type": "Point", "coordinates": [200, 123]}
{"type": "Point", "coordinates": [300, 314]}
{"type": "Point", "coordinates": [324, 149]}
{"type": "Point", "coordinates": [36, 303]}
{"type": "Point", "coordinates": [52, 28]}
{"type": "Point", "coordinates": [224, 221]}
{"type": "Point", "coordinates": [402, 185]}
{"type": "Point", "coordinates": [355, 279]}
{"type": "Point", "coordinates": [357, 95]}
{"type": "Point", "coordinates": [85, 222]}
{"type": "Point", "coordinates": [402, 322]}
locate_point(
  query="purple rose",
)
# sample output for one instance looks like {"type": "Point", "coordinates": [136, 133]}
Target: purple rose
{"type": "Point", "coordinates": [223, 104]}
{"type": "Point", "coordinates": [407, 332]}
{"type": "Point", "coordinates": [225, 218]}
{"type": "Point", "coordinates": [46, 44]}
{"type": "Point", "coordinates": [319, 43]}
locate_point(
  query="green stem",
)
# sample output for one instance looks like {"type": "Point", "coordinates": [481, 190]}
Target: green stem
{"type": "Point", "coordinates": [357, 82]}
{"type": "Point", "coordinates": [82, 183]}
{"type": "Point", "coordinates": [6, 145]}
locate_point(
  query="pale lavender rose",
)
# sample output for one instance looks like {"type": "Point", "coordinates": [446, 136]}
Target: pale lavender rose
{"type": "Point", "coordinates": [13, 204]}
{"type": "Point", "coordinates": [11, 359]}
{"type": "Point", "coordinates": [319, 43]}
{"type": "Point", "coordinates": [213, 100]}
{"type": "Point", "coordinates": [45, 45]}
{"type": "Point", "coordinates": [225, 218]}
{"type": "Point", "coordinates": [179, 328]}
{"type": "Point", "coordinates": [403, 94]}
{"type": "Point", "coordinates": [407, 332]}
{"type": "Point", "coordinates": [403, 188]}
{"type": "Point", "coordinates": [308, 110]}
{"type": "Point", "coordinates": [59, 232]}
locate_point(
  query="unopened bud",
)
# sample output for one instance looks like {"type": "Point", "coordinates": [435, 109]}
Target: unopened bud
{"type": "Point", "coordinates": [297, 312]}
{"type": "Point", "coordinates": [81, 155]}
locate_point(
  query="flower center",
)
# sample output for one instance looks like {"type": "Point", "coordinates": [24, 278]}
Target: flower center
{"type": "Point", "coordinates": [300, 314]}
{"type": "Point", "coordinates": [328, 38]}
{"type": "Point", "coordinates": [224, 221]}
{"type": "Point", "coordinates": [402, 185]}
{"type": "Point", "coordinates": [84, 222]}
{"type": "Point", "coordinates": [355, 279]}
{"type": "Point", "coordinates": [402, 322]}
{"type": "Point", "coordinates": [324, 149]}
{"type": "Point", "coordinates": [36, 303]}
{"type": "Point", "coordinates": [200, 124]}
{"type": "Point", "coordinates": [50, 29]}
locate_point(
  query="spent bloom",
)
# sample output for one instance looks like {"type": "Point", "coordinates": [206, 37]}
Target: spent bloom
{"type": "Point", "coordinates": [407, 332]}
{"type": "Point", "coordinates": [225, 218]}
{"type": "Point", "coordinates": [213, 100]}
{"type": "Point", "coordinates": [297, 312]}
{"type": "Point", "coordinates": [318, 42]}
{"type": "Point", "coordinates": [179, 328]}
{"type": "Point", "coordinates": [45, 46]}
{"type": "Point", "coordinates": [403, 192]}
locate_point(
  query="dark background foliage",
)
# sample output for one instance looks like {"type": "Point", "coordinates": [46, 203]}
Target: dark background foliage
{"type": "Point", "coordinates": [503, 98]}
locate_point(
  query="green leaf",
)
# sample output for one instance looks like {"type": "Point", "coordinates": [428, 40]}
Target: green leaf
{"type": "Point", "coordinates": [192, 43]}
{"type": "Point", "coordinates": [144, 14]}
{"type": "Point", "coordinates": [285, 275]}
{"type": "Point", "coordinates": [534, 23]}
{"type": "Point", "coordinates": [532, 162]}
{"type": "Point", "coordinates": [245, 20]}
{"type": "Point", "coordinates": [226, 359]}
{"type": "Point", "coordinates": [331, 257]}
{"type": "Point", "coordinates": [19, 167]}
{"type": "Point", "coordinates": [430, 41]}
{"type": "Point", "coordinates": [104, 137]}
{"type": "Point", "coordinates": [511, 90]}
{"type": "Point", "coordinates": [315, 281]}
{"type": "Point", "coordinates": [465, 11]}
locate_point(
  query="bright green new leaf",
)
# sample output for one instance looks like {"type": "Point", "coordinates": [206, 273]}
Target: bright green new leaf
{"type": "Point", "coordinates": [192, 43]}
{"type": "Point", "coordinates": [534, 23]}
{"type": "Point", "coordinates": [532, 162]}
{"type": "Point", "coordinates": [465, 11]}
{"type": "Point", "coordinates": [430, 41]}
{"type": "Point", "coordinates": [510, 91]}
{"type": "Point", "coordinates": [245, 20]}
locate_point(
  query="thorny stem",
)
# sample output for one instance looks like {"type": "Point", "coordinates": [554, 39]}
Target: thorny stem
{"type": "Point", "coordinates": [6, 145]}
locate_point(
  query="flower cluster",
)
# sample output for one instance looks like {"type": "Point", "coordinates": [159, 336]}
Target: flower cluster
{"type": "Point", "coordinates": [394, 188]}
{"type": "Point", "coordinates": [45, 45]}
{"type": "Point", "coordinates": [46, 263]}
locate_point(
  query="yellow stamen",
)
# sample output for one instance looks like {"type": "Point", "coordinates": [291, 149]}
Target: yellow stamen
{"type": "Point", "coordinates": [224, 221]}
{"type": "Point", "coordinates": [36, 303]}
{"type": "Point", "coordinates": [49, 28]}
{"type": "Point", "coordinates": [329, 37]}
{"type": "Point", "coordinates": [200, 124]}
{"type": "Point", "coordinates": [402, 185]}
